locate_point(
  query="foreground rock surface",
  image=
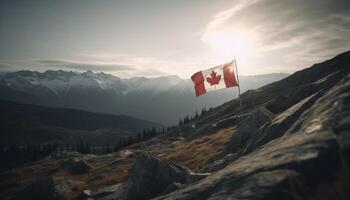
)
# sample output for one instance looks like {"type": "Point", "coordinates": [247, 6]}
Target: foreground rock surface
{"type": "Point", "coordinates": [307, 152]}
{"type": "Point", "coordinates": [152, 176]}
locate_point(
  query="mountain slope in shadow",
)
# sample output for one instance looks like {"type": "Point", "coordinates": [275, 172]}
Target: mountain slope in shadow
{"type": "Point", "coordinates": [24, 123]}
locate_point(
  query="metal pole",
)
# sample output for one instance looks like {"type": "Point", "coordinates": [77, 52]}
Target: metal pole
{"type": "Point", "coordinates": [239, 89]}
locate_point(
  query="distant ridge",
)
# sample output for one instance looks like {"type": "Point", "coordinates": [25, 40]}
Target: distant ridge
{"type": "Point", "coordinates": [144, 98]}
{"type": "Point", "coordinates": [38, 124]}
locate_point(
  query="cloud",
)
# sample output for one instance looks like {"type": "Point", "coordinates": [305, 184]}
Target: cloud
{"type": "Point", "coordinates": [313, 29]}
{"type": "Point", "coordinates": [150, 65]}
{"type": "Point", "coordinates": [6, 67]}
{"type": "Point", "coordinates": [149, 72]}
{"type": "Point", "coordinates": [119, 69]}
{"type": "Point", "coordinates": [3, 66]}
{"type": "Point", "coordinates": [87, 66]}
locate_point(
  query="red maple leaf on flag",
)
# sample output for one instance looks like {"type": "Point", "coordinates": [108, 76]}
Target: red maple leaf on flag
{"type": "Point", "coordinates": [214, 79]}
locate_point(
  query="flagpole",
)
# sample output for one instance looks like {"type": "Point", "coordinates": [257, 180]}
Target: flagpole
{"type": "Point", "coordinates": [239, 87]}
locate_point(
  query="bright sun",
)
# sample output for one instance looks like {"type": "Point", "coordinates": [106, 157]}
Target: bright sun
{"type": "Point", "coordinates": [229, 44]}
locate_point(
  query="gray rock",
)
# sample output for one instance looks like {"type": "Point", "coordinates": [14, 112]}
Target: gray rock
{"type": "Point", "coordinates": [101, 192]}
{"type": "Point", "coordinates": [246, 128]}
{"type": "Point", "coordinates": [219, 162]}
{"type": "Point", "coordinates": [113, 192]}
{"type": "Point", "coordinates": [172, 187]}
{"type": "Point", "coordinates": [75, 166]}
{"type": "Point", "coordinates": [151, 176]}
{"type": "Point", "coordinates": [279, 125]}
{"type": "Point", "coordinates": [85, 194]}
{"type": "Point", "coordinates": [194, 177]}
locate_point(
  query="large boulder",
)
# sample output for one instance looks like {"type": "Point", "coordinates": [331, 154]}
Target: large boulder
{"type": "Point", "coordinates": [258, 129]}
{"type": "Point", "coordinates": [152, 175]}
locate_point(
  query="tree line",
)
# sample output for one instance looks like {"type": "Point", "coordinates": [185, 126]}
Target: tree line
{"type": "Point", "coordinates": [189, 118]}
{"type": "Point", "coordinates": [16, 154]}
{"type": "Point", "coordinates": [12, 155]}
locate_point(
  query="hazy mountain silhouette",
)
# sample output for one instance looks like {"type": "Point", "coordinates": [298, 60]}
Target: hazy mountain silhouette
{"type": "Point", "coordinates": [24, 123]}
{"type": "Point", "coordinates": [164, 99]}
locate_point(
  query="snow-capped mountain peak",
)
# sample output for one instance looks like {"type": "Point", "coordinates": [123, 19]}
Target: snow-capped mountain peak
{"type": "Point", "coordinates": [145, 98]}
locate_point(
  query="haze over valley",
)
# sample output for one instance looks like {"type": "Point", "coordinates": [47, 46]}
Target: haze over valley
{"type": "Point", "coordinates": [164, 100]}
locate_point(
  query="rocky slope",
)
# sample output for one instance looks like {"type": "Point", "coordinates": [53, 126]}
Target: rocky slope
{"type": "Point", "coordinates": [292, 146]}
{"type": "Point", "coordinates": [290, 142]}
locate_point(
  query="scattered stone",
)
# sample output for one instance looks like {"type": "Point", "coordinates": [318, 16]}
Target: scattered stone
{"type": "Point", "coordinates": [107, 190]}
{"type": "Point", "coordinates": [115, 192]}
{"type": "Point", "coordinates": [194, 177]}
{"type": "Point", "coordinates": [125, 153]}
{"type": "Point", "coordinates": [84, 195]}
{"type": "Point", "coordinates": [172, 187]}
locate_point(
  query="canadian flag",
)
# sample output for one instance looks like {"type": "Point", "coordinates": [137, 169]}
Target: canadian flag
{"type": "Point", "coordinates": [220, 77]}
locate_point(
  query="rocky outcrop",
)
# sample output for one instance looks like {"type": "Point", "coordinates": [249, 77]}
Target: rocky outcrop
{"type": "Point", "coordinates": [247, 128]}
{"type": "Point", "coordinates": [279, 125]}
{"type": "Point", "coordinates": [152, 176]}
{"type": "Point", "coordinates": [75, 166]}
{"type": "Point", "coordinates": [307, 146]}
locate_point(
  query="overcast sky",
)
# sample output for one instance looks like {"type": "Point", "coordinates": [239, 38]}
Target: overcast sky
{"type": "Point", "coordinates": [171, 37]}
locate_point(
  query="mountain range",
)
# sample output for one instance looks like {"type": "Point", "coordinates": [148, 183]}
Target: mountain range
{"type": "Point", "coordinates": [164, 100]}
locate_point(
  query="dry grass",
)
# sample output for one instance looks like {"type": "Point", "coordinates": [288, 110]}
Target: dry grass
{"type": "Point", "coordinates": [110, 177]}
{"type": "Point", "coordinates": [101, 175]}
{"type": "Point", "coordinates": [112, 169]}
{"type": "Point", "coordinates": [195, 153]}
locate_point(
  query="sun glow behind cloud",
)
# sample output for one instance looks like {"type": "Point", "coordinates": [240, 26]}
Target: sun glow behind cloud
{"type": "Point", "coordinates": [227, 44]}
{"type": "Point", "coordinates": [265, 37]}
{"type": "Point", "coordinates": [230, 44]}
{"type": "Point", "coordinates": [229, 41]}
